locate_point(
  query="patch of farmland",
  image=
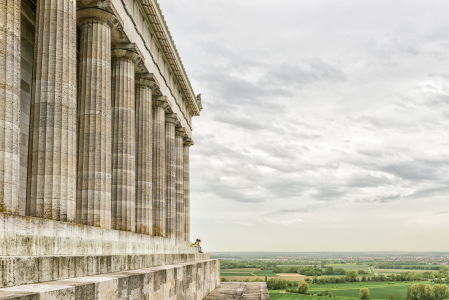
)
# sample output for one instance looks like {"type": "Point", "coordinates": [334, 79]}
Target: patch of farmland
{"type": "Point", "coordinates": [378, 290]}
{"type": "Point", "coordinates": [280, 295]}
{"type": "Point", "coordinates": [268, 273]}
{"type": "Point", "coordinates": [390, 271]}
{"type": "Point", "coordinates": [242, 270]}
{"type": "Point", "coordinates": [222, 274]}
{"type": "Point", "coordinates": [348, 267]}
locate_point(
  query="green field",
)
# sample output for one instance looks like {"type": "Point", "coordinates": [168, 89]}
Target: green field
{"type": "Point", "coordinates": [348, 267]}
{"type": "Point", "coordinates": [268, 273]}
{"type": "Point", "coordinates": [277, 295]}
{"type": "Point", "coordinates": [247, 272]}
{"type": "Point", "coordinates": [237, 274]}
{"type": "Point", "coordinates": [378, 290]}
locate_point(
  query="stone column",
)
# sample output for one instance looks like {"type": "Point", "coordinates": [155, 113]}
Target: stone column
{"type": "Point", "coordinates": [93, 204]}
{"type": "Point", "coordinates": [52, 150]}
{"type": "Point", "coordinates": [180, 209]}
{"type": "Point", "coordinates": [160, 104]}
{"type": "Point", "coordinates": [123, 140]}
{"type": "Point", "coordinates": [186, 226]}
{"type": "Point", "coordinates": [144, 155]}
{"type": "Point", "coordinates": [9, 105]}
{"type": "Point", "coordinates": [171, 121]}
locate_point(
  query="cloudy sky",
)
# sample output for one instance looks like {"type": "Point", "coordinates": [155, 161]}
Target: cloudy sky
{"type": "Point", "coordinates": [325, 124]}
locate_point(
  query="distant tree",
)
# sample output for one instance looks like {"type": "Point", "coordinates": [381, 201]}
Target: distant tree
{"type": "Point", "coordinates": [326, 292]}
{"type": "Point", "coordinates": [363, 278]}
{"type": "Point", "coordinates": [224, 279]}
{"type": "Point", "coordinates": [364, 293]}
{"type": "Point", "coordinates": [351, 276]}
{"type": "Point", "coordinates": [303, 287]}
{"type": "Point", "coordinates": [441, 291]}
{"type": "Point", "coordinates": [265, 278]}
{"type": "Point", "coordinates": [246, 279]}
{"type": "Point", "coordinates": [391, 297]}
{"type": "Point", "coordinates": [339, 271]}
{"type": "Point", "coordinates": [330, 270]}
{"type": "Point", "coordinates": [419, 292]}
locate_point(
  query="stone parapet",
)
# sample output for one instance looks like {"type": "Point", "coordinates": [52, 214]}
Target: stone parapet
{"type": "Point", "coordinates": [192, 280]}
{"type": "Point", "coordinates": [21, 270]}
{"type": "Point", "coordinates": [30, 236]}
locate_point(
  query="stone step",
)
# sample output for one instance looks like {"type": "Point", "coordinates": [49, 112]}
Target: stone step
{"type": "Point", "coordinates": [33, 269]}
{"type": "Point", "coordinates": [191, 280]}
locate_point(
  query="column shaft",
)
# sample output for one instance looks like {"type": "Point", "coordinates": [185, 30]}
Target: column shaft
{"type": "Point", "coordinates": [52, 167]}
{"type": "Point", "coordinates": [123, 144]}
{"type": "Point", "coordinates": [186, 224]}
{"type": "Point", "coordinates": [9, 105]}
{"type": "Point", "coordinates": [94, 124]}
{"type": "Point", "coordinates": [180, 210]}
{"type": "Point", "coordinates": [170, 167]}
{"type": "Point", "coordinates": [159, 168]}
{"type": "Point", "coordinates": [144, 157]}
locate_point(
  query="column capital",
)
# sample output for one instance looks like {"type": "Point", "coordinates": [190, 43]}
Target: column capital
{"type": "Point", "coordinates": [118, 53]}
{"type": "Point", "coordinates": [172, 119]}
{"type": "Point", "coordinates": [181, 131]}
{"type": "Point", "coordinates": [147, 80]}
{"type": "Point", "coordinates": [163, 102]}
{"type": "Point", "coordinates": [188, 142]}
{"type": "Point", "coordinates": [87, 14]}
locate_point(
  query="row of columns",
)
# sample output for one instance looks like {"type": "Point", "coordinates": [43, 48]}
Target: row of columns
{"type": "Point", "coordinates": [102, 152]}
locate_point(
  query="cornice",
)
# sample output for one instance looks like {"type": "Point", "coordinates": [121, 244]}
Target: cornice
{"type": "Point", "coordinates": [160, 28]}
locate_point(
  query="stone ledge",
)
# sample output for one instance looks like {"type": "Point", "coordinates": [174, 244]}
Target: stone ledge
{"type": "Point", "coordinates": [181, 281]}
{"type": "Point", "coordinates": [240, 290]}
{"type": "Point", "coordinates": [29, 236]}
{"type": "Point", "coordinates": [33, 269]}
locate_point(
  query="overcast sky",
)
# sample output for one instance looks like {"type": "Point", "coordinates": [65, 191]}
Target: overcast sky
{"type": "Point", "coordinates": [325, 124]}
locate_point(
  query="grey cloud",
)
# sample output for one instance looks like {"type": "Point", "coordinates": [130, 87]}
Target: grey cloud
{"type": "Point", "coordinates": [380, 199]}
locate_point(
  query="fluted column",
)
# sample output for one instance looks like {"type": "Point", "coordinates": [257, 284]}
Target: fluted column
{"type": "Point", "coordinates": [180, 209]}
{"type": "Point", "coordinates": [160, 104]}
{"type": "Point", "coordinates": [144, 156]}
{"type": "Point", "coordinates": [186, 226]}
{"type": "Point", "coordinates": [171, 121]}
{"type": "Point", "coordinates": [9, 105]}
{"type": "Point", "coordinates": [123, 140]}
{"type": "Point", "coordinates": [93, 205]}
{"type": "Point", "coordinates": [52, 151]}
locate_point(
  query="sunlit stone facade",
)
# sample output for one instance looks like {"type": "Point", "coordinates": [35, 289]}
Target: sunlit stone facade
{"type": "Point", "coordinates": [95, 128]}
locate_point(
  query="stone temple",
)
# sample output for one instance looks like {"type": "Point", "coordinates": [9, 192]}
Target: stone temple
{"type": "Point", "coordinates": [95, 127]}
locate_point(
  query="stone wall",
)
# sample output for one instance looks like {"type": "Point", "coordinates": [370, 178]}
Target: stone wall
{"type": "Point", "coordinates": [187, 281]}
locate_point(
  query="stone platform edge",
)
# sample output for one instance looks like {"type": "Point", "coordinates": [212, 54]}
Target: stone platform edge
{"type": "Point", "coordinates": [30, 236]}
{"type": "Point", "coordinates": [190, 281]}
{"type": "Point", "coordinates": [33, 269]}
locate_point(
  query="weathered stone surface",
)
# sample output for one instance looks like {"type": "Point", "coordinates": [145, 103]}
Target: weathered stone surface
{"type": "Point", "coordinates": [28, 236]}
{"type": "Point", "coordinates": [34, 269]}
{"type": "Point", "coordinates": [180, 205]}
{"type": "Point", "coordinates": [144, 156]}
{"type": "Point", "coordinates": [171, 121]}
{"type": "Point", "coordinates": [52, 176]}
{"type": "Point", "coordinates": [9, 105]}
{"type": "Point", "coordinates": [123, 140]}
{"type": "Point", "coordinates": [93, 204]}
{"type": "Point", "coordinates": [192, 280]}
{"type": "Point", "coordinates": [240, 291]}
{"type": "Point", "coordinates": [160, 104]}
